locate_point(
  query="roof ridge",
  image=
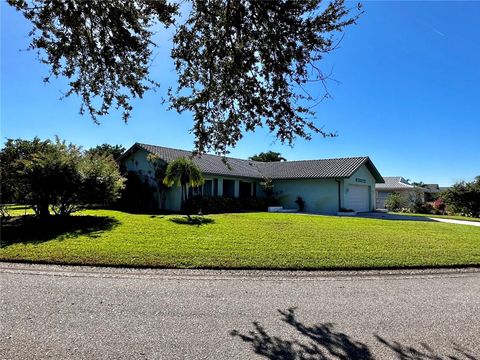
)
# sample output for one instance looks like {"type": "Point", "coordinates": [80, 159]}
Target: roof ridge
{"type": "Point", "coordinates": [190, 151]}
{"type": "Point", "coordinates": [256, 161]}
{"type": "Point", "coordinates": [305, 160]}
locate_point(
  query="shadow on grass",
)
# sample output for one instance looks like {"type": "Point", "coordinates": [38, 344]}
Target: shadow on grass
{"type": "Point", "coordinates": [192, 220]}
{"type": "Point", "coordinates": [30, 229]}
{"type": "Point", "coordinates": [323, 341]}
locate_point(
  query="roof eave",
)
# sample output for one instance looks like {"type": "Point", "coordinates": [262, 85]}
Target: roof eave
{"type": "Point", "coordinates": [373, 170]}
{"type": "Point", "coordinates": [128, 152]}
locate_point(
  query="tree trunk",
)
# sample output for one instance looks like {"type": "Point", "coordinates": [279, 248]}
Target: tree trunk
{"type": "Point", "coordinates": [43, 210]}
{"type": "Point", "coordinates": [184, 192]}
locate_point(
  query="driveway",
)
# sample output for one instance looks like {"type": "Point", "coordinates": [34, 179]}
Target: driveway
{"type": "Point", "coordinates": [94, 313]}
{"type": "Point", "coordinates": [387, 216]}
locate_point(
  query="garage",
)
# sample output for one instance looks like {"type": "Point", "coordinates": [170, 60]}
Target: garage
{"type": "Point", "coordinates": [381, 198]}
{"type": "Point", "coordinates": [358, 198]}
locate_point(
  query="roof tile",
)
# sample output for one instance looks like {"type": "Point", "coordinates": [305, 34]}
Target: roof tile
{"type": "Point", "coordinates": [304, 169]}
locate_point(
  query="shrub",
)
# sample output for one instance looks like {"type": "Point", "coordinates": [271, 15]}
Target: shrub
{"type": "Point", "coordinates": [439, 205]}
{"type": "Point", "coordinates": [301, 203]}
{"type": "Point", "coordinates": [395, 202]}
{"type": "Point", "coordinates": [267, 187]}
{"type": "Point", "coordinates": [57, 176]}
{"type": "Point", "coordinates": [216, 205]}
{"type": "Point", "coordinates": [138, 194]}
{"type": "Point", "coordinates": [419, 207]}
{"type": "Point", "coordinates": [464, 198]}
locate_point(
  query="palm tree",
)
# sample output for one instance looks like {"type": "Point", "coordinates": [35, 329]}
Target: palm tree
{"type": "Point", "coordinates": [183, 172]}
{"type": "Point", "coordinates": [159, 168]}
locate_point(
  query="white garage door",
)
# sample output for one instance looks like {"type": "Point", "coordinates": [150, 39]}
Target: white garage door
{"type": "Point", "coordinates": [358, 198]}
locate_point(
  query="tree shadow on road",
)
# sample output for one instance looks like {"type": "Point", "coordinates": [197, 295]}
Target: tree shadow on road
{"type": "Point", "coordinates": [323, 341]}
{"type": "Point", "coordinates": [31, 230]}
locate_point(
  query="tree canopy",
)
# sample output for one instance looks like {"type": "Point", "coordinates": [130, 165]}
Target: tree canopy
{"type": "Point", "coordinates": [183, 172]}
{"type": "Point", "coordinates": [464, 198]}
{"type": "Point", "coordinates": [241, 64]}
{"type": "Point", "coordinates": [106, 150]}
{"type": "Point", "coordinates": [54, 175]}
{"type": "Point", "coordinates": [269, 156]}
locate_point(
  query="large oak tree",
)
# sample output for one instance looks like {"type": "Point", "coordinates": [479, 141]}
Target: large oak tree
{"type": "Point", "coordinates": [241, 64]}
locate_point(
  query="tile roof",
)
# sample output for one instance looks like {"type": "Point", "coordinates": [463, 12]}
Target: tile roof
{"type": "Point", "coordinates": [395, 183]}
{"type": "Point", "coordinates": [209, 164]}
{"type": "Point", "coordinates": [308, 169]}
{"type": "Point", "coordinates": [304, 169]}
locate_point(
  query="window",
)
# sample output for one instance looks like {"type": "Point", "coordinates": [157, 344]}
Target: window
{"type": "Point", "coordinates": [245, 189]}
{"type": "Point", "coordinates": [194, 191]}
{"type": "Point", "coordinates": [215, 187]}
{"type": "Point", "coordinates": [229, 188]}
{"type": "Point", "coordinates": [207, 188]}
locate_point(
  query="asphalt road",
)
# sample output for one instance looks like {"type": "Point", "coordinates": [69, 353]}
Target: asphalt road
{"type": "Point", "coordinates": [90, 313]}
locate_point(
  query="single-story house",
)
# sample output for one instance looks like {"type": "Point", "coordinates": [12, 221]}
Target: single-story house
{"type": "Point", "coordinates": [398, 184]}
{"type": "Point", "coordinates": [326, 185]}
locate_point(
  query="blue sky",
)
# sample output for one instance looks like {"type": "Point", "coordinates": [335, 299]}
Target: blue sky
{"type": "Point", "coordinates": [408, 96]}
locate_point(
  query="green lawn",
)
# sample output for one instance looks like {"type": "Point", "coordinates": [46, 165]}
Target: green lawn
{"type": "Point", "coordinates": [454, 217]}
{"type": "Point", "coordinates": [253, 240]}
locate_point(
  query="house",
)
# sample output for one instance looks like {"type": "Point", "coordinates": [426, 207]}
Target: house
{"type": "Point", "coordinates": [434, 191]}
{"type": "Point", "coordinates": [326, 185]}
{"type": "Point", "coordinates": [398, 184]}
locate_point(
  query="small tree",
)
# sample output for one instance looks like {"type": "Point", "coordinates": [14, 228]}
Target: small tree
{"type": "Point", "coordinates": [13, 151]}
{"type": "Point", "coordinates": [101, 181]}
{"type": "Point", "coordinates": [58, 176]}
{"type": "Point", "coordinates": [464, 198]}
{"type": "Point", "coordinates": [159, 172]}
{"type": "Point", "coordinates": [267, 187]}
{"type": "Point", "coordinates": [394, 202]}
{"type": "Point", "coordinates": [50, 177]}
{"type": "Point", "coordinates": [105, 150]}
{"type": "Point", "coordinates": [269, 156]}
{"type": "Point", "coordinates": [183, 172]}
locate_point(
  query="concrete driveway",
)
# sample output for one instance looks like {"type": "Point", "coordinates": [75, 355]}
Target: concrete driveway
{"type": "Point", "coordinates": [387, 216]}
{"type": "Point", "coordinates": [93, 313]}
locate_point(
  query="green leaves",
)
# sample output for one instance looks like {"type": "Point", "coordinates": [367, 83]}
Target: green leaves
{"type": "Point", "coordinates": [103, 47]}
{"type": "Point", "coordinates": [241, 64]}
{"type": "Point", "coordinates": [58, 176]}
{"type": "Point", "coordinates": [182, 172]}
{"type": "Point", "coordinates": [269, 156]}
{"type": "Point", "coordinates": [464, 198]}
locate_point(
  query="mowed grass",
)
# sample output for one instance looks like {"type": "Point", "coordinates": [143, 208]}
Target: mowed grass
{"type": "Point", "coordinates": [250, 240]}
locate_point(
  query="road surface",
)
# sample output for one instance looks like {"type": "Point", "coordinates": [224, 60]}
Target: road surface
{"type": "Point", "coordinates": [89, 313]}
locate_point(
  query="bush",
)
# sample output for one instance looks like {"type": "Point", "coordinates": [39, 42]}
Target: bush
{"type": "Point", "coordinates": [59, 177]}
{"type": "Point", "coordinates": [301, 203]}
{"type": "Point", "coordinates": [463, 198]}
{"type": "Point", "coordinates": [424, 208]}
{"type": "Point", "coordinates": [419, 207]}
{"type": "Point", "coordinates": [217, 205]}
{"type": "Point", "coordinates": [395, 202]}
{"type": "Point", "coordinates": [439, 205]}
{"type": "Point", "coordinates": [138, 195]}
